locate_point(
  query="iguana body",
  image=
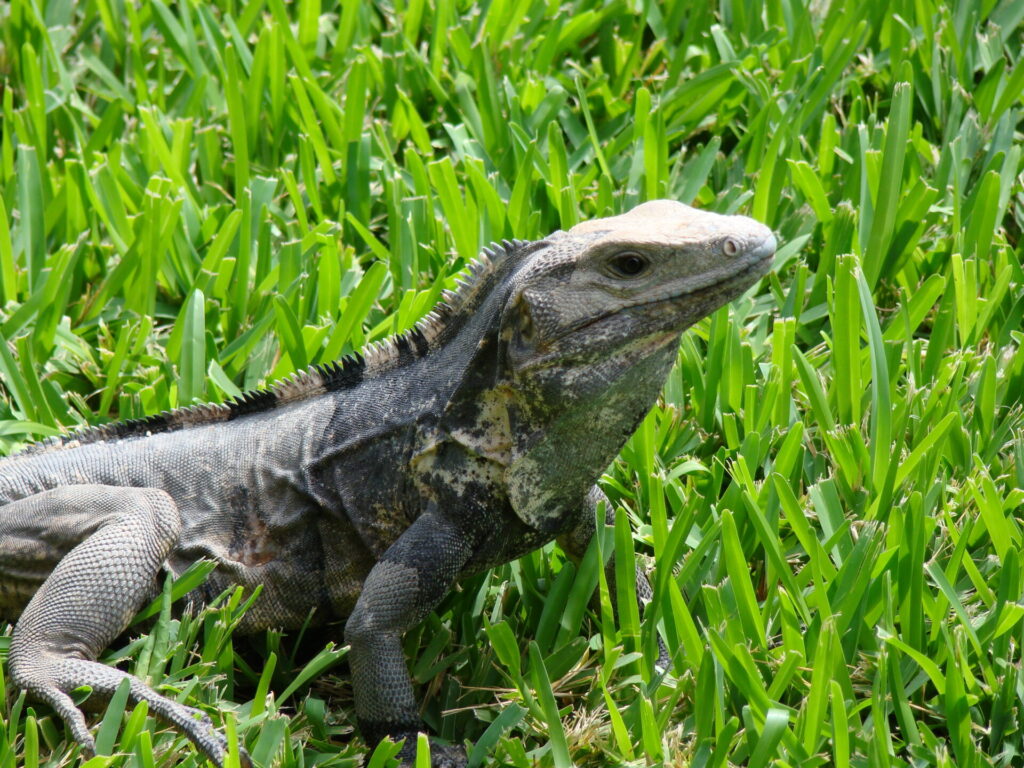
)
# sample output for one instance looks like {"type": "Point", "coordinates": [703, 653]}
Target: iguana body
{"type": "Point", "coordinates": [365, 489]}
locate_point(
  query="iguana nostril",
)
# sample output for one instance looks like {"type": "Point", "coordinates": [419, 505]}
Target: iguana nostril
{"type": "Point", "coordinates": [730, 247]}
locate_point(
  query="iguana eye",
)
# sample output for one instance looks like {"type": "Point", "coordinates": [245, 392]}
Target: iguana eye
{"type": "Point", "coordinates": [628, 264]}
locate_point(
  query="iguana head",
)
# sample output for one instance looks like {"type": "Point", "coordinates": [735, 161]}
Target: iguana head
{"type": "Point", "coordinates": [590, 331]}
{"type": "Point", "coordinates": [639, 278]}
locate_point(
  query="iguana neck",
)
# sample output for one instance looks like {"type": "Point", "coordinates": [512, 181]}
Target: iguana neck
{"type": "Point", "coordinates": [567, 430]}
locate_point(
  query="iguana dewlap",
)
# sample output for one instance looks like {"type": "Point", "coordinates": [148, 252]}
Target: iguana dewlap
{"type": "Point", "coordinates": [363, 490]}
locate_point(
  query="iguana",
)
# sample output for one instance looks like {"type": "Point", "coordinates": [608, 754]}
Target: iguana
{"type": "Point", "coordinates": [363, 489]}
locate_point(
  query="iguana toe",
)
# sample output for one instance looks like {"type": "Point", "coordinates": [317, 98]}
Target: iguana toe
{"type": "Point", "coordinates": [447, 757]}
{"type": "Point", "coordinates": [198, 726]}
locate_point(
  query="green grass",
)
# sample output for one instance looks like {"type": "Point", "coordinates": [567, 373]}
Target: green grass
{"type": "Point", "coordinates": [199, 198]}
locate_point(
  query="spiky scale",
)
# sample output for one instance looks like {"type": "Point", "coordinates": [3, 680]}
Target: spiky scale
{"type": "Point", "coordinates": [376, 357]}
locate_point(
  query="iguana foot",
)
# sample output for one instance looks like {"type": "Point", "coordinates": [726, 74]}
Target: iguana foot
{"type": "Point", "coordinates": [194, 723]}
{"type": "Point", "coordinates": [441, 755]}
{"type": "Point", "coordinates": [117, 540]}
{"type": "Point", "coordinates": [199, 728]}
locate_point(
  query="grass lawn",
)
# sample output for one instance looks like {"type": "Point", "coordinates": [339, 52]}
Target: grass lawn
{"type": "Point", "coordinates": [199, 198]}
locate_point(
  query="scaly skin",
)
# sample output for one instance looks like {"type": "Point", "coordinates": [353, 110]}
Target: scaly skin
{"type": "Point", "coordinates": [365, 489]}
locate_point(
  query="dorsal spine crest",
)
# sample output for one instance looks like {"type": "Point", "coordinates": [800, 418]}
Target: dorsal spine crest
{"type": "Point", "coordinates": [427, 334]}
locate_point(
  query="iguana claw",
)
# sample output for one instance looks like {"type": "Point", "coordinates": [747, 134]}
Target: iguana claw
{"type": "Point", "coordinates": [441, 755]}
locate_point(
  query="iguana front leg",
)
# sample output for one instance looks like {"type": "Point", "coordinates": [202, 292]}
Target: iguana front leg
{"type": "Point", "coordinates": [575, 542]}
{"type": "Point", "coordinates": [402, 588]}
{"type": "Point", "coordinates": [116, 541]}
